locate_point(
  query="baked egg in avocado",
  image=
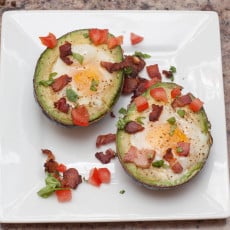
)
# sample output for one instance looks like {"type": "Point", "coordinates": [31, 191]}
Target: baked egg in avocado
{"type": "Point", "coordinates": [164, 138]}
{"type": "Point", "coordinates": [71, 86]}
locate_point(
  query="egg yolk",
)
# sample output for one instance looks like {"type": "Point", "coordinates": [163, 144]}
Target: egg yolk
{"type": "Point", "coordinates": [87, 81]}
{"type": "Point", "coordinates": [161, 137]}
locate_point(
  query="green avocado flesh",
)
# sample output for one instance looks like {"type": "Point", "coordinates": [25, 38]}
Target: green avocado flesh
{"type": "Point", "coordinates": [91, 85]}
{"type": "Point", "coordinates": [158, 136]}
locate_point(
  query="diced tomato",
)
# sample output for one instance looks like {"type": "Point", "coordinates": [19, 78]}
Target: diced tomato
{"type": "Point", "coordinates": [196, 105]}
{"type": "Point", "coordinates": [176, 92]}
{"type": "Point", "coordinates": [141, 103]}
{"type": "Point", "coordinates": [61, 168]}
{"type": "Point", "coordinates": [64, 195]}
{"type": "Point", "coordinates": [94, 177]}
{"type": "Point", "coordinates": [50, 40]}
{"type": "Point", "coordinates": [151, 82]}
{"type": "Point", "coordinates": [104, 175]}
{"type": "Point", "coordinates": [115, 41]}
{"type": "Point", "coordinates": [98, 36]}
{"type": "Point", "coordinates": [135, 38]}
{"type": "Point", "coordinates": [153, 71]}
{"type": "Point", "coordinates": [80, 116]}
{"type": "Point", "coordinates": [159, 94]}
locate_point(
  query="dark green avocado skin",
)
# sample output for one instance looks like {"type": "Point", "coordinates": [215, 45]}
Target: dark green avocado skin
{"type": "Point", "coordinates": [42, 71]}
{"type": "Point", "coordinates": [132, 170]}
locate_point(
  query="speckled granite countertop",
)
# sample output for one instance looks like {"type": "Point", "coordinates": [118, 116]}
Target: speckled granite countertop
{"type": "Point", "coordinates": [222, 7]}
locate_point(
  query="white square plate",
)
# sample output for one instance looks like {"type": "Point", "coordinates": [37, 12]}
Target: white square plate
{"type": "Point", "coordinates": [188, 40]}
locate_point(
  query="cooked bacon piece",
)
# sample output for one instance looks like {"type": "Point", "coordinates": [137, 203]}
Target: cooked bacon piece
{"type": "Point", "coordinates": [174, 164]}
{"type": "Point", "coordinates": [167, 73]}
{"type": "Point", "coordinates": [141, 87]}
{"type": "Point", "coordinates": [133, 127]}
{"type": "Point", "coordinates": [105, 139]}
{"type": "Point", "coordinates": [177, 167]}
{"type": "Point", "coordinates": [130, 84]}
{"type": "Point", "coordinates": [156, 112]}
{"type": "Point", "coordinates": [112, 114]}
{"type": "Point", "coordinates": [60, 82]}
{"type": "Point", "coordinates": [181, 101]}
{"type": "Point", "coordinates": [62, 105]}
{"type": "Point", "coordinates": [65, 51]}
{"type": "Point", "coordinates": [71, 178]}
{"type": "Point", "coordinates": [141, 158]}
{"type": "Point", "coordinates": [183, 149]}
{"type": "Point", "coordinates": [169, 155]}
{"type": "Point", "coordinates": [135, 64]}
{"type": "Point", "coordinates": [51, 166]}
{"type": "Point", "coordinates": [50, 155]}
{"type": "Point", "coordinates": [105, 158]}
{"type": "Point", "coordinates": [153, 71]}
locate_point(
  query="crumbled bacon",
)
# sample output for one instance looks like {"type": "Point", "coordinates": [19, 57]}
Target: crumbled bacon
{"type": "Point", "coordinates": [167, 73]}
{"type": "Point", "coordinates": [173, 162]}
{"type": "Point", "coordinates": [50, 155]}
{"type": "Point", "coordinates": [106, 157]}
{"type": "Point", "coordinates": [134, 63]}
{"type": "Point", "coordinates": [184, 149]}
{"type": "Point", "coordinates": [141, 87]}
{"type": "Point", "coordinates": [155, 113]}
{"type": "Point", "coordinates": [177, 167]}
{"type": "Point", "coordinates": [141, 158]}
{"type": "Point", "coordinates": [62, 105]}
{"type": "Point", "coordinates": [133, 127]}
{"type": "Point", "coordinates": [130, 84]}
{"type": "Point", "coordinates": [60, 82]}
{"type": "Point", "coordinates": [105, 139]}
{"type": "Point", "coordinates": [71, 178]}
{"type": "Point", "coordinates": [181, 101]}
{"type": "Point", "coordinates": [153, 71]}
{"type": "Point", "coordinates": [65, 51]}
{"type": "Point", "coordinates": [51, 166]}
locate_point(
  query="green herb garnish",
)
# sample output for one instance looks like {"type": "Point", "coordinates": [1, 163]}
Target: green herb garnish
{"type": "Point", "coordinates": [181, 112]}
{"type": "Point", "coordinates": [122, 191]}
{"type": "Point", "coordinates": [171, 120]}
{"type": "Point", "coordinates": [78, 57]}
{"type": "Point", "coordinates": [141, 55]}
{"type": "Point", "coordinates": [94, 85]}
{"type": "Point", "coordinates": [48, 82]}
{"type": "Point", "coordinates": [127, 70]}
{"type": "Point", "coordinates": [172, 69]}
{"type": "Point", "coordinates": [140, 120]}
{"type": "Point", "coordinates": [179, 149]}
{"type": "Point", "coordinates": [71, 95]}
{"type": "Point", "coordinates": [86, 35]}
{"type": "Point", "coordinates": [172, 129]}
{"type": "Point", "coordinates": [122, 111]}
{"type": "Point", "coordinates": [52, 184]}
{"type": "Point", "coordinates": [158, 163]}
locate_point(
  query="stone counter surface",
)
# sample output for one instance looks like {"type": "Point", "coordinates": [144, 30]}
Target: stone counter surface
{"type": "Point", "coordinates": [222, 7]}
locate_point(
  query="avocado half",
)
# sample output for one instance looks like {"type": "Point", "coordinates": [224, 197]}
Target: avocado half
{"type": "Point", "coordinates": [44, 70]}
{"type": "Point", "coordinates": [192, 127]}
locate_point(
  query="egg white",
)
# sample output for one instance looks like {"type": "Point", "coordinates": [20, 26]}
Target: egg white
{"type": "Point", "coordinates": [92, 57]}
{"type": "Point", "coordinates": [188, 125]}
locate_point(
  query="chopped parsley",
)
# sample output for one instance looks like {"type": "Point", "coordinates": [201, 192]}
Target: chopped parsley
{"type": "Point", "coordinates": [94, 85]}
{"type": "Point", "coordinates": [179, 149]}
{"type": "Point", "coordinates": [158, 163]}
{"type": "Point", "coordinates": [141, 55]}
{"type": "Point", "coordinates": [140, 120]}
{"type": "Point", "coordinates": [71, 95]}
{"type": "Point", "coordinates": [52, 184]}
{"type": "Point", "coordinates": [122, 121]}
{"type": "Point", "coordinates": [122, 191]}
{"type": "Point", "coordinates": [48, 82]}
{"type": "Point", "coordinates": [172, 129]}
{"type": "Point", "coordinates": [181, 112]}
{"type": "Point", "coordinates": [127, 70]}
{"type": "Point", "coordinates": [172, 120]}
{"type": "Point", "coordinates": [78, 57]}
{"type": "Point", "coordinates": [122, 111]}
{"type": "Point", "coordinates": [86, 35]}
